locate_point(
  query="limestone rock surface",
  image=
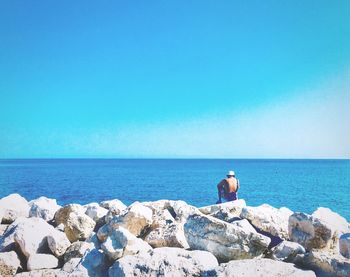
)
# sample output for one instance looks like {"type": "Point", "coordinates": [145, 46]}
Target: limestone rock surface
{"type": "Point", "coordinates": [41, 261]}
{"type": "Point", "coordinates": [93, 264]}
{"type": "Point", "coordinates": [166, 261]}
{"type": "Point", "coordinates": [114, 205]}
{"type": "Point", "coordinates": [78, 226]}
{"type": "Point", "coordinates": [95, 211]}
{"type": "Point", "coordinates": [226, 241]}
{"type": "Point", "coordinates": [320, 230]}
{"type": "Point", "coordinates": [260, 267]}
{"type": "Point", "coordinates": [58, 243]}
{"type": "Point", "coordinates": [77, 250]}
{"type": "Point", "coordinates": [234, 207]}
{"type": "Point", "coordinates": [135, 219]}
{"type": "Point", "coordinates": [286, 251]}
{"type": "Point", "coordinates": [121, 242]}
{"type": "Point", "coordinates": [324, 263]}
{"type": "Point", "coordinates": [43, 207]}
{"type": "Point", "coordinates": [30, 234]}
{"type": "Point", "coordinates": [9, 263]}
{"type": "Point", "coordinates": [269, 219]}
{"type": "Point", "coordinates": [169, 235]}
{"type": "Point", "coordinates": [12, 207]}
{"type": "Point", "coordinates": [62, 215]}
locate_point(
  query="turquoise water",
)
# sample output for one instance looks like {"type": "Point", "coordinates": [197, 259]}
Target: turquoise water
{"type": "Point", "coordinates": [301, 185]}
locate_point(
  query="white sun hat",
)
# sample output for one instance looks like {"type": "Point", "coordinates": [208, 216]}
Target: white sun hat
{"type": "Point", "coordinates": [231, 173]}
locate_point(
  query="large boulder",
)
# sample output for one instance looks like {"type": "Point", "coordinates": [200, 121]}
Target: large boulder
{"type": "Point", "coordinates": [179, 209]}
{"type": "Point", "coordinates": [344, 245]}
{"type": "Point", "coordinates": [226, 241]}
{"type": "Point", "coordinates": [268, 219]}
{"type": "Point", "coordinates": [41, 261]}
{"type": "Point", "coordinates": [226, 215]}
{"type": "Point", "coordinates": [12, 207]}
{"type": "Point", "coordinates": [169, 235]}
{"type": "Point", "coordinates": [62, 215]}
{"type": "Point", "coordinates": [337, 222]}
{"type": "Point", "coordinates": [324, 263]}
{"type": "Point", "coordinates": [164, 261]}
{"type": "Point", "coordinates": [94, 263]}
{"type": "Point", "coordinates": [71, 265]}
{"type": "Point", "coordinates": [7, 239]}
{"type": "Point", "coordinates": [286, 251]}
{"type": "Point", "coordinates": [320, 230]}
{"type": "Point", "coordinates": [260, 267]}
{"type": "Point", "coordinates": [9, 263]}
{"type": "Point", "coordinates": [137, 218]}
{"type": "Point", "coordinates": [58, 243]}
{"type": "Point", "coordinates": [166, 231]}
{"type": "Point", "coordinates": [121, 242]}
{"type": "Point", "coordinates": [29, 234]}
{"type": "Point", "coordinates": [95, 211]}
{"type": "Point", "coordinates": [77, 250]}
{"type": "Point", "coordinates": [115, 205]}
{"type": "Point", "coordinates": [234, 207]}
{"type": "Point", "coordinates": [43, 207]}
{"type": "Point", "coordinates": [78, 226]}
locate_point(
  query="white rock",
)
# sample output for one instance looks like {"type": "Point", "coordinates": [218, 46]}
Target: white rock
{"type": "Point", "coordinates": [344, 245]}
{"type": "Point", "coordinates": [58, 243]}
{"type": "Point", "coordinates": [95, 212]}
{"type": "Point", "coordinates": [169, 235]}
{"type": "Point", "coordinates": [77, 250]}
{"type": "Point", "coordinates": [41, 261]}
{"type": "Point", "coordinates": [78, 226]}
{"type": "Point", "coordinates": [121, 242]}
{"type": "Point", "coordinates": [226, 241]}
{"type": "Point", "coordinates": [62, 215]}
{"type": "Point", "coordinates": [115, 205]}
{"type": "Point", "coordinates": [164, 261]}
{"type": "Point", "coordinates": [7, 240]}
{"type": "Point", "coordinates": [43, 207]}
{"type": "Point", "coordinates": [286, 251]}
{"type": "Point", "coordinates": [135, 219]}
{"type": "Point", "coordinates": [260, 267]}
{"type": "Point", "coordinates": [12, 207]}
{"type": "Point", "coordinates": [93, 264]}
{"type": "Point", "coordinates": [9, 263]}
{"type": "Point", "coordinates": [166, 231]}
{"type": "Point", "coordinates": [268, 219]}
{"type": "Point", "coordinates": [71, 265]}
{"type": "Point", "coordinates": [234, 207]}
{"type": "Point", "coordinates": [31, 235]}
{"type": "Point", "coordinates": [179, 210]}
{"type": "Point", "coordinates": [182, 210]}
{"type": "Point", "coordinates": [317, 231]}
{"type": "Point", "coordinates": [324, 263]}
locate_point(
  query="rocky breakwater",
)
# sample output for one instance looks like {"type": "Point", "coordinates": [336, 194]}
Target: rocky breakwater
{"type": "Point", "coordinates": [168, 238]}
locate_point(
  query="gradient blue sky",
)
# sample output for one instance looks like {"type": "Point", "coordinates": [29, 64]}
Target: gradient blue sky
{"type": "Point", "coordinates": [239, 79]}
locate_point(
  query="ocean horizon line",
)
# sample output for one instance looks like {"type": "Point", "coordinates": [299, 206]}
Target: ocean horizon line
{"type": "Point", "coordinates": [172, 158]}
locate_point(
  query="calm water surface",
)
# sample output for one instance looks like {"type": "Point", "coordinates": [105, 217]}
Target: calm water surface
{"type": "Point", "coordinates": [301, 185]}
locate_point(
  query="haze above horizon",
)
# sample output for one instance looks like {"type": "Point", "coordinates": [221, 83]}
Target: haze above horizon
{"type": "Point", "coordinates": [162, 79]}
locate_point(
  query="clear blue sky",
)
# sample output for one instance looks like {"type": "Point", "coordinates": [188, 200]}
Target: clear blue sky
{"type": "Point", "coordinates": [236, 79]}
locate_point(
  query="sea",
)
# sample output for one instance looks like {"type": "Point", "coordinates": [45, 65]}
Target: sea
{"type": "Point", "coordinates": [301, 185]}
